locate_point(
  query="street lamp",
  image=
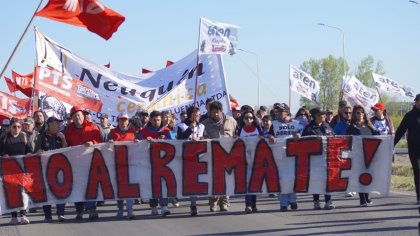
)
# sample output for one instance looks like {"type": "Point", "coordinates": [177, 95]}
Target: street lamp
{"type": "Point", "coordinates": [258, 72]}
{"type": "Point", "coordinates": [342, 32]}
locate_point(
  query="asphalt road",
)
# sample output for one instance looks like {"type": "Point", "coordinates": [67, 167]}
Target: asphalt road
{"type": "Point", "coordinates": [393, 215]}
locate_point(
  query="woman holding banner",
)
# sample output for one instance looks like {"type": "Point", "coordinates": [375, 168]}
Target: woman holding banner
{"type": "Point", "coordinates": [14, 143]}
{"type": "Point", "coordinates": [361, 125]}
{"type": "Point", "coordinates": [319, 126]}
{"type": "Point", "coordinates": [250, 128]}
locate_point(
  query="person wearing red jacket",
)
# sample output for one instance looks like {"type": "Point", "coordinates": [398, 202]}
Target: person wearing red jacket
{"type": "Point", "coordinates": [123, 133]}
{"type": "Point", "coordinates": [82, 132]}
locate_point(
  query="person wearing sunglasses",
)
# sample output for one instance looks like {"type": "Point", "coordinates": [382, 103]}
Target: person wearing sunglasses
{"type": "Point", "coordinates": [284, 126]}
{"type": "Point", "coordinates": [14, 143]}
{"type": "Point", "coordinates": [381, 121]}
{"type": "Point", "coordinates": [340, 129]}
{"type": "Point", "coordinates": [361, 125]}
{"type": "Point", "coordinates": [249, 128]}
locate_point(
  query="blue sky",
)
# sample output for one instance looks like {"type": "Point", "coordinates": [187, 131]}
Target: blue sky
{"type": "Point", "coordinates": [279, 32]}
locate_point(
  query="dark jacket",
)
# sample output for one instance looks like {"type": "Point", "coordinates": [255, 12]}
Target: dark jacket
{"type": "Point", "coordinates": [354, 130]}
{"type": "Point", "coordinates": [411, 124]}
{"type": "Point", "coordinates": [314, 129]}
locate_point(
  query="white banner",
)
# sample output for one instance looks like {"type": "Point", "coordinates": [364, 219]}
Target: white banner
{"type": "Point", "coordinates": [356, 93]}
{"type": "Point", "coordinates": [388, 85]}
{"type": "Point", "coordinates": [303, 84]}
{"type": "Point", "coordinates": [217, 38]}
{"type": "Point", "coordinates": [176, 168]}
{"type": "Point", "coordinates": [171, 88]}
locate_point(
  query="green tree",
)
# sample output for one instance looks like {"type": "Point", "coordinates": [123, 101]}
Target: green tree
{"type": "Point", "coordinates": [365, 69]}
{"type": "Point", "coordinates": [329, 72]}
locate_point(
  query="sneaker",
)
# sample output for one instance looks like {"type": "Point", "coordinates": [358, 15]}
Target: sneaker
{"type": "Point", "coordinates": [165, 211]}
{"type": "Point", "coordinates": [283, 208]}
{"type": "Point", "coordinates": [364, 205]}
{"type": "Point", "coordinates": [137, 202]}
{"type": "Point", "coordinates": [248, 210]}
{"type": "Point", "coordinates": [294, 206]}
{"type": "Point", "coordinates": [154, 211]}
{"type": "Point", "coordinates": [24, 220]}
{"type": "Point", "coordinates": [61, 219]}
{"type": "Point", "coordinates": [175, 204]}
{"type": "Point", "coordinates": [349, 194]}
{"type": "Point", "coordinates": [254, 209]}
{"type": "Point", "coordinates": [79, 215]}
{"type": "Point", "coordinates": [48, 218]}
{"type": "Point", "coordinates": [369, 202]}
{"type": "Point", "coordinates": [224, 207]}
{"type": "Point", "coordinates": [193, 210]}
{"type": "Point", "coordinates": [317, 205]}
{"type": "Point", "coordinates": [272, 195]}
{"type": "Point", "coordinates": [131, 216]}
{"type": "Point", "coordinates": [329, 205]}
{"type": "Point", "coordinates": [120, 213]}
{"type": "Point", "coordinates": [14, 221]}
{"type": "Point", "coordinates": [93, 215]}
{"type": "Point", "coordinates": [100, 203]}
{"type": "Point", "coordinates": [213, 208]}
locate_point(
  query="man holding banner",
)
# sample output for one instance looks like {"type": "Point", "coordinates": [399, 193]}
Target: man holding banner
{"type": "Point", "coordinates": [77, 133]}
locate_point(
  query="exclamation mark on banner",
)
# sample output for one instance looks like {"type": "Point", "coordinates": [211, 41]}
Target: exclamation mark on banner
{"type": "Point", "coordinates": [370, 146]}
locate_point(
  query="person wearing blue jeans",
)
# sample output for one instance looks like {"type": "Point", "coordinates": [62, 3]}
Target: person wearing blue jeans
{"type": "Point", "coordinates": [286, 199]}
{"type": "Point", "coordinates": [60, 212]}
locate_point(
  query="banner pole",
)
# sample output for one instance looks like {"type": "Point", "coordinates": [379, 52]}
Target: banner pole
{"type": "Point", "coordinates": [20, 40]}
{"type": "Point", "coordinates": [196, 65]}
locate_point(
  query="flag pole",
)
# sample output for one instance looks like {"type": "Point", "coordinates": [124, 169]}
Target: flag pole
{"type": "Point", "coordinates": [20, 40]}
{"type": "Point", "coordinates": [196, 65]}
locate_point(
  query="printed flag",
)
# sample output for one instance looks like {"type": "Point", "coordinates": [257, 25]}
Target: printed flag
{"type": "Point", "coordinates": [217, 38]}
{"type": "Point", "coordinates": [356, 93]}
{"type": "Point", "coordinates": [90, 14]}
{"type": "Point", "coordinates": [12, 106]}
{"type": "Point", "coordinates": [23, 83]}
{"type": "Point", "coordinates": [388, 85]}
{"type": "Point", "coordinates": [304, 84]}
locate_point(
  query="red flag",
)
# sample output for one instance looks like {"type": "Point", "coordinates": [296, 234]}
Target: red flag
{"type": "Point", "coordinates": [66, 89]}
{"type": "Point", "coordinates": [233, 103]}
{"type": "Point", "coordinates": [13, 106]}
{"type": "Point", "coordinates": [145, 71]}
{"type": "Point", "coordinates": [90, 14]}
{"type": "Point", "coordinates": [10, 85]}
{"type": "Point", "coordinates": [169, 63]}
{"type": "Point", "coordinates": [23, 83]}
{"type": "Point", "coordinates": [108, 65]}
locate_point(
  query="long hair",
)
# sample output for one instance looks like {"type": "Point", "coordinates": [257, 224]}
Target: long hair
{"type": "Point", "coordinates": [254, 121]}
{"type": "Point", "coordinates": [366, 120]}
{"type": "Point", "coordinates": [305, 112]}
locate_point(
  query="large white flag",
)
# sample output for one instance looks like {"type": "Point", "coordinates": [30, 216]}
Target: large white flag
{"type": "Point", "coordinates": [170, 88]}
{"type": "Point", "coordinates": [356, 93]}
{"type": "Point", "coordinates": [388, 85]}
{"type": "Point", "coordinates": [303, 84]}
{"type": "Point", "coordinates": [217, 38]}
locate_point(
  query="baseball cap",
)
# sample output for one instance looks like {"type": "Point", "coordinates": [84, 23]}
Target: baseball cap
{"type": "Point", "coordinates": [122, 116]}
{"type": "Point", "coordinates": [103, 116]}
{"type": "Point", "coordinates": [316, 111]}
{"type": "Point", "coordinates": [417, 97]}
{"type": "Point", "coordinates": [52, 118]}
{"type": "Point", "coordinates": [6, 122]}
{"type": "Point", "coordinates": [75, 109]}
{"type": "Point", "coordinates": [29, 120]}
{"type": "Point", "coordinates": [379, 106]}
{"type": "Point", "coordinates": [282, 106]}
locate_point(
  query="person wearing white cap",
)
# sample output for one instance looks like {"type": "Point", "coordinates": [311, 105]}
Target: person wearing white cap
{"type": "Point", "coordinates": [123, 133]}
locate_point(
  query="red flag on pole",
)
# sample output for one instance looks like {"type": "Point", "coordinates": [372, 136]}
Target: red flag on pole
{"type": "Point", "coordinates": [108, 65]}
{"type": "Point", "coordinates": [10, 85]}
{"type": "Point", "coordinates": [145, 71]}
{"type": "Point", "coordinates": [23, 83]}
{"type": "Point", "coordinates": [13, 106]}
{"type": "Point", "coordinates": [90, 14]}
{"type": "Point", "coordinates": [169, 63]}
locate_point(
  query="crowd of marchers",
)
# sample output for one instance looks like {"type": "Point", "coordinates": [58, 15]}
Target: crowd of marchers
{"type": "Point", "coordinates": [39, 133]}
